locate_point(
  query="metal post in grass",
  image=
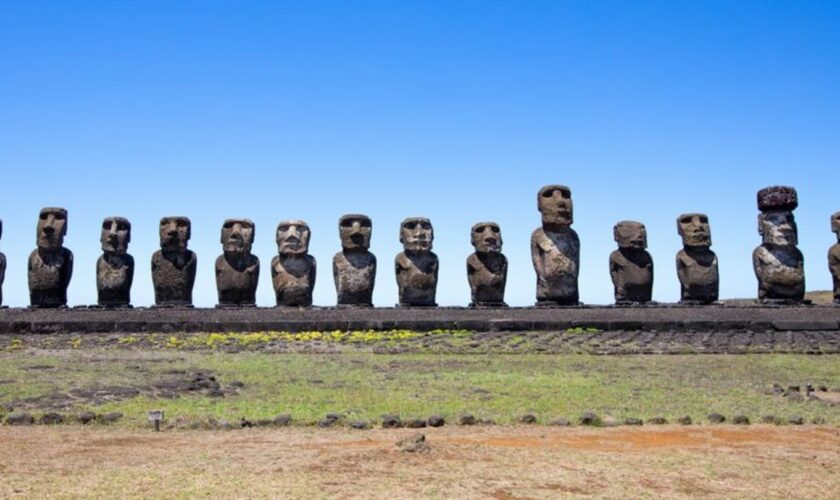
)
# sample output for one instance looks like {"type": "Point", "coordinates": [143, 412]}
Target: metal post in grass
{"type": "Point", "coordinates": [156, 416]}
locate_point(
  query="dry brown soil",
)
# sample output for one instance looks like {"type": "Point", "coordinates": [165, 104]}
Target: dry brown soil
{"type": "Point", "coordinates": [503, 462]}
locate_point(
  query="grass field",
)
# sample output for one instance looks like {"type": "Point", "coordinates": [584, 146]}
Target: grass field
{"type": "Point", "coordinates": [364, 386]}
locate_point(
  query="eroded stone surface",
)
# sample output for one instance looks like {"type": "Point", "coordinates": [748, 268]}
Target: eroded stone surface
{"type": "Point", "coordinates": [697, 264]}
{"type": "Point", "coordinates": [778, 263]}
{"type": "Point", "coordinates": [237, 269]}
{"type": "Point", "coordinates": [416, 266]}
{"type": "Point", "coordinates": [293, 269]}
{"type": "Point", "coordinates": [50, 265]}
{"type": "Point", "coordinates": [555, 248]}
{"type": "Point", "coordinates": [631, 266]}
{"type": "Point", "coordinates": [487, 266]}
{"type": "Point", "coordinates": [833, 257]}
{"type": "Point", "coordinates": [354, 267]}
{"type": "Point", "coordinates": [115, 267]}
{"type": "Point", "coordinates": [173, 266]}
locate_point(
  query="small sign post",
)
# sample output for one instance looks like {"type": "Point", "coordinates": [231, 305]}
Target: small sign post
{"type": "Point", "coordinates": [156, 416]}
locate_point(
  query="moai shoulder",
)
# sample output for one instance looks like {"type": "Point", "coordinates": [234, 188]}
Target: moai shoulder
{"type": "Point", "coordinates": [293, 269]}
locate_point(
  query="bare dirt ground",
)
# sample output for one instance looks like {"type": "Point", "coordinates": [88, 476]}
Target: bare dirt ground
{"type": "Point", "coordinates": [503, 462]}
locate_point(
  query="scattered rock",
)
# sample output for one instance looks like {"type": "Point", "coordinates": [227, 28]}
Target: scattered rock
{"type": "Point", "coordinates": [528, 419]}
{"type": "Point", "coordinates": [466, 419]}
{"type": "Point", "coordinates": [716, 418]}
{"type": "Point", "coordinates": [110, 418]}
{"type": "Point", "coordinates": [415, 423]}
{"type": "Point", "coordinates": [822, 388]}
{"type": "Point", "coordinates": [740, 420]}
{"type": "Point", "coordinates": [657, 421]}
{"type": "Point", "coordinates": [334, 416]}
{"type": "Point", "coordinates": [486, 421]}
{"type": "Point", "coordinates": [590, 418]}
{"type": "Point", "coordinates": [685, 420]}
{"type": "Point", "coordinates": [329, 420]}
{"type": "Point", "coordinates": [86, 417]}
{"type": "Point", "coordinates": [560, 422]}
{"type": "Point", "coordinates": [20, 419]}
{"type": "Point", "coordinates": [359, 424]}
{"type": "Point", "coordinates": [796, 420]}
{"type": "Point", "coordinates": [244, 422]}
{"type": "Point", "coordinates": [51, 419]}
{"type": "Point", "coordinates": [414, 444]}
{"type": "Point", "coordinates": [768, 419]}
{"type": "Point", "coordinates": [818, 421]}
{"type": "Point", "coordinates": [633, 421]}
{"type": "Point", "coordinates": [436, 421]}
{"type": "Point", "coordinates": [609, 421]}
{"type": "Point", "coordinates": [391, 422]}
{"type": "Point", "coordinates": [282, 420]}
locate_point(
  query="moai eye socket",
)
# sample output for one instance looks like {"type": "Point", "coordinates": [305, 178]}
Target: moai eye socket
{"type": "Point", "coordinates": [495, 229]}
{"type": "Point", "coordinates": [228, 225]}
{"type": "Point", "coordinates": [43, 216]}
{"type": "Point", "coordinates": [686, 220]}
{"type": "Point", "coordinates": [565, 193]}
{"type": "Point", "coordinates": [122, 226]}
{"type": "Point", "coordinates": [58, 216]}
{"type": "Point", "coordinates": [548, 193]}
{"type": "Point", "coordinates": [480, 229]}
{"type": "Point", "coordinates": [365, 222]}
{"type": "Point", "coordinates": [426, 225]}
{"type": "Point", "coordinates": [283, 228]}
{"type": "Point", "coordinates": [409, 225]}
{"type": "Point", "coordinates": [106, 225]}
{"type": "Point", "coordinates": [347, 223]}
{"type": "Point", "coordinates": [704, 219]}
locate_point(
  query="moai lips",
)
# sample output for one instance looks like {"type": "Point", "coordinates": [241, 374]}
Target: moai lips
{"type": "Point", "coordinates": [354, 267]}
{"type": "Point", "coordinates": [697, 264]}
{"type": "Point", "coordinates": [50, 266]}
{"type": "Point", "coordinates": [293, 269]}
{"type": "Point", "coordinates": [778, 263]}
{"type": "Point", "coordinates": [237, 269]}
{"type": "Point", "coordinates": [631, 266]}
{"type": "Point", "coordinates": [416, 266]}
{"type": "Point", "coordinates": [115, 267]}
{"type": "Point", "coordinates": [174, 266]}
{"type": "Point", "coordinates": [555, 248]}
{"type": "Point", "coordinates": [487, 266]}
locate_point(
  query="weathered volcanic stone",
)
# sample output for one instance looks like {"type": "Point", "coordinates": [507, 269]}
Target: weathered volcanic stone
{"type": "Point", "coordinates": [50, 265]}
{"type": "Point", "coordinates": [631, 267]}
{"type": "Point", "coordinates": [778, 264]}
{"type": "Point", "coordinates": [115, 267]}
{"type": "Point", "coordinates": [173, 266]}
{"type": "Point", "coordinates": [293, 269]}
{"type": "Point", "coordinates": [833, 258]}
{"type": "Point", "coordinates": [416, 266]}
{"type": "Point", "coordinates": [555, 248]}
{"type": "Point", "coordinates": [237, 269]}
{"type": "Point", "coordinates": [354, 267]}
{"type": "Point", "coordinates": [2, 267]}
{"type": "Point", "coordinates": [697, 264]}
{"type": "Point", "coordinates": [487, 266]}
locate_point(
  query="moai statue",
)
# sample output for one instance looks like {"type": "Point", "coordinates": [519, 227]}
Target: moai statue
{"type": "Point", "coordinates": [833, 257]}
{"type": "Point", "coordinates": [293, 269]}
{"type": "Point", "coordinates": [354, 267]}
{"type": "Point", "coordinates": [416, 266]}
{"type": "Point", "coordinates": [555, 248]}
{"type": "Point", "coordinates": [50, 265]}
{"type": "Point", "coordinates": [631, 267]}
{"type": "Point", "coordinates": [2, 267]}
{"type": "Point", "coordinates": [237, 269]}
{"type": "Point", "coordinates": [487, 266]}
{"type": "Point", "coordinates": [697, 264]}
{"type": "Point", "coordinates": [115, 268]}
{"type": "Point", "coordinates": [173, 266]}
{"type": "Point", "coordinates": [778, 264]}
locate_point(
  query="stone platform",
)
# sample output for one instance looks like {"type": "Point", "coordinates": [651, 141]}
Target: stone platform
{"type": "Point", "coordinates": [652, 318]}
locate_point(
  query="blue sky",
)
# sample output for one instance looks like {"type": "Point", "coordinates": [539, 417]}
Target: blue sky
{"type": "Point", "coordinates": [458, 111]}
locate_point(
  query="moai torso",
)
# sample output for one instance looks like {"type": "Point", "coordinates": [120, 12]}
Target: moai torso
{"type": "Point", "coordinates": [555, 248]}
{"type": "Point", "coordinates": [416, 267]}
{"type": "Point", "coordinates": [354, 267]}
{"type": "Point", "coordinates": [237, 269]}
{"type": "Point", "coordinates": [293, 269]}
{"type": "Point", "coordinates": [487, 267]}
{"type": "Point", "coordinates": [115, 267]}
{"type": "Point", "coordinates": [631, 267]}
{"type": "Point", "coordinates": [834, 257]}
{"type": "Point", "coordinates": [50, 266]}
{"type": "Point", "coordinates": [697, 264]}
{"type": "Point", "coordinates": [173, 266]}
{"type": "Point", "coordinates": [778, 264]}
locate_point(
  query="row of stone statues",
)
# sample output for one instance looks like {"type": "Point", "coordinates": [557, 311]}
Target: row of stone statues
{"type": "Point", "coordinates": [555, 251]}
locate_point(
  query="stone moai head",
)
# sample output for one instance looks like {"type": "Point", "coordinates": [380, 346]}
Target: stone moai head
{"type": "Point", "coordinates": [293, 237]}
{"type": "Point", "coordinates": [555, 205]}
{"type": "Point", "coordinates": [835, 225]}
{"type": "Point", "coordinates": [355, 231]}
{"type": "Point", "coordinates": [694, 230]}
{"type": "Point", "coordinates": [486, 237]}
{"type": "Point", "coordinates": [776, 223]}
{"type": "Point", "coordinates": [52, 227]}
{"type": "Point", "coordinates": [175, 233]}
{"type": "Point", "coordinates": [115, 236]}
{"type": "Point", "coordinates": [416, 234]}
{"type": "Point", "coordinates": [630, 234]}
{"type": "Point", "coordinates": [237, 236]}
